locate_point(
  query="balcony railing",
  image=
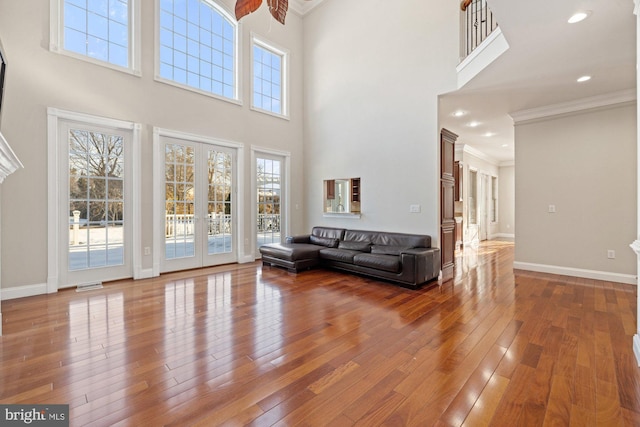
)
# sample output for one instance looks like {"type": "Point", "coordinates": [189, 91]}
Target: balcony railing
{"type": "Point", "coordinates": [184, 224]}
{"type": "Point", "coordinates": [478, 24]}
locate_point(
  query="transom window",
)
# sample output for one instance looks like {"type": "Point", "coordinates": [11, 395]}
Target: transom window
{"type": "Point", "coordinates": [99, 30]}
{"type": "Point", "coordinates": [269, 72]}
{"type": "Point", "coordinates": [198, 47]}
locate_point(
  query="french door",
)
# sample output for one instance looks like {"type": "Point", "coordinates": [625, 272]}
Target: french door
{"type": "Point", "coordinates": [197, 214]}
{"type": "Point", "coordinates": [94, 203]}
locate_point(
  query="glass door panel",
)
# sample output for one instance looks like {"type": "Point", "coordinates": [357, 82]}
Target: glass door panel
{"type": "Point", "coordinates": [219, 195]}
{"type": "Point", "coordinates": [269, 200]}
{"type": "Point", "coordinates": [179, 201]}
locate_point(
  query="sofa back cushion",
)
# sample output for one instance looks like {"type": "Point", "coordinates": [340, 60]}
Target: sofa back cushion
{"type": "Point", "coordinates": [330, 232]}
{"type": "Point", "coordinates": [389, 239]}
{"type": "Point", "coordinates": [329, 242]}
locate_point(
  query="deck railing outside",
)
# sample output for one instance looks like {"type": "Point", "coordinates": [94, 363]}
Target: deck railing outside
{"type": "Point", "coordinates": [478, 23]}
{"type": "Point", "coordinates": [184, 224]}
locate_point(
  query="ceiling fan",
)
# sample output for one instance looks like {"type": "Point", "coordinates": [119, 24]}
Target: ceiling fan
{"type": "Point", "coordinates": [277, 8]}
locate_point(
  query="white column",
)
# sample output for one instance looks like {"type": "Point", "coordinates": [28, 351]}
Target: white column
{"type": "Point", "coordinates": [636, 245]}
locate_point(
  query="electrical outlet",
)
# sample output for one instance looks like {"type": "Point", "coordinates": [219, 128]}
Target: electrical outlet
{"type": "Point", "coordinates": [414, 208]}
{"type": "Point", "coordinates": [611, 254]}
{"type": "Point", "coordinates": [147, 250]}
{"type": "Point", "coordinates": [552, 208]}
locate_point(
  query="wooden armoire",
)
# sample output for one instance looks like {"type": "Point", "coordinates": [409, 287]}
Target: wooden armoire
{"type": "Point", "coordinates": [447, 197]}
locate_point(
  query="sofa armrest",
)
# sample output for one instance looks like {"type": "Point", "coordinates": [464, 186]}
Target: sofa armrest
{"type": "Point", "coordinates": [424, 262]}
{"type": "Point", "coordinates": [298, 239]}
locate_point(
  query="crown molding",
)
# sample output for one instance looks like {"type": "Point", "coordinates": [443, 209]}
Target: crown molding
{"type": "Point", "coordinates": [466, 148]}
{"type": "Point", "coordinates": [636, 7]}
{"type": "Point", "coordinates": [594, 102]}
{"type": "Point", "coordinates": [302, 7]}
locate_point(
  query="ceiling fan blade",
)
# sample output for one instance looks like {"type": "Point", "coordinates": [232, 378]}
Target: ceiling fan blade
{"type": "Point", "coordinates": [278, 9]}
{"type": "Point", "coordinates": [245, 7]}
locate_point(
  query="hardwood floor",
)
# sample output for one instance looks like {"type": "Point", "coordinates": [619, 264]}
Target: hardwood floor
{"type": "Point", "coordinates": [246, 345]}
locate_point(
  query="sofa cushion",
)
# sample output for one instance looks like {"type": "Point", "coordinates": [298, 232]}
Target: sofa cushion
{"type": "Point", "coordinates": [324, 241]}
{"type": "Point", "coordinates": [355, 246]}
{"type": "Point", "coordinates": [291, 252]}
{"type": "Point", "coordinates": [391, 239]}
{"type": "Point", "coordinates": [380, 262]}
{"type": "Point", "coordinates": [331, 232]}
{"type": "Point", "coordinates": [388, 249]}
{"type": "Point", "coordinates": [335, 254]}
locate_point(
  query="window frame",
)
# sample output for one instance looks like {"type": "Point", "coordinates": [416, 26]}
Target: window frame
{"type": "Point", "coordinates": [222, 9]}
{"type": "Point", "coordinates": [56, 38]}
{"type": "Point", "coordinates": [284, 54]}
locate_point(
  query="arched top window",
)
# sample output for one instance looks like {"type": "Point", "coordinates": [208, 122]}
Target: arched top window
{"type": "Point", "coordinates": [198, 47]}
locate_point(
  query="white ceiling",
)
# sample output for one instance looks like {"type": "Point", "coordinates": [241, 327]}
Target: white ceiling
{"type": "Point", "coordinates": [545, 57]}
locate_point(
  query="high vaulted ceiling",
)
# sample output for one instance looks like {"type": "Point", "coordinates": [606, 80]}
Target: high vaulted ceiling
{"type": "Point", "coordinates": [546, 56]}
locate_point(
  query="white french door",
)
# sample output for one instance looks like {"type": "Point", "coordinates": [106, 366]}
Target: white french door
{"type": "Point", "coordinates": [94, 200]}
{"type": "Point", "coordinates": [198, 211]}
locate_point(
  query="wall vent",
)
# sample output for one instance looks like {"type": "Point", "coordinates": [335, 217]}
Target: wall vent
{"type": "Point", "coordinates": [88, 286]}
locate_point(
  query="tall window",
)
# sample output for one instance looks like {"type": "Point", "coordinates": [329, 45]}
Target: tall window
{"type": "Point", "coordinates": [472, 195]}
{"type": "Point", "coordinates": [269, 182]}
{"type": "Point", "coordinates": [198, 47]}
{"type": "Point", "coordinates": [494, 199]}
{"type": "Point", "coordinates": [99, 30]}
{"type": "Point", "coordinates": [269, 78]}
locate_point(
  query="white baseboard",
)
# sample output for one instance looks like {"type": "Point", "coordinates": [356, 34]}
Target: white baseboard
{"type": "Point", "coordinates": [503, 236]}
{"type": "Point", "coordinates": [144, 273]}
{"type": "Point", "coordinates": [245, 259]}
{"type": "Point", "coordinates": [24, 291]}
{"type": "Point", "coordinates": [577, 272]}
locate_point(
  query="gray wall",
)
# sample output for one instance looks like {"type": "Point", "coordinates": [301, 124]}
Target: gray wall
{"type": "Point", "coordinates": [373, 73]}
{"type": "Point", "coordinates": [585, 165]}
{"type": "Point", "coordinates": [38, 78]}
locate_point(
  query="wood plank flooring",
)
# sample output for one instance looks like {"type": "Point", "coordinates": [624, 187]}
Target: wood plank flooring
{"type": "Point", "coordinates": [247, 345]}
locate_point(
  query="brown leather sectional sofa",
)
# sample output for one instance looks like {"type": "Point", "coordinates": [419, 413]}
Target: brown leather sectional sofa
{"type": "Point", "coordinates": [406, 259]}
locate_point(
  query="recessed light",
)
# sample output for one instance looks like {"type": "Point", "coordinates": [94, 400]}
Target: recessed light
{"type": "Point", "coordinates": [579, 16]}
{"type": "Point", "coordinates": [474, 124]}
{"type": "Point", "coordinates": [505, 145]}
{"type": "Point", "coordinates": [459, 113]}
{"type": "Point", "coordinates": [583, 79]}
{"type": "Point", "coordinates": [488, 134]}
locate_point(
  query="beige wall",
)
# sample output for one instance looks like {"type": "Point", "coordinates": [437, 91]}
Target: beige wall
{"type": "Point", "coordinates": [585, 165]}
{"type": "Point", "coordinates": [373, 73]}
{"type": "Point", "coordinates": [37, 79]}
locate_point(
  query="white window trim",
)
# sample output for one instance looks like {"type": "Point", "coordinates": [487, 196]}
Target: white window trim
{"type": "Point", "coordinates": [159, 197]}
{"type": "Point", "coordinates": [285, 208]}
{"type": "Point", "coordinates": [54, 187]}
{"type": "Point", "coordinates": [238, 60]}
{"type": "Point", "coordinates": [56, 38]}
{"type": "Point", "coordinates": [284, 54]}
